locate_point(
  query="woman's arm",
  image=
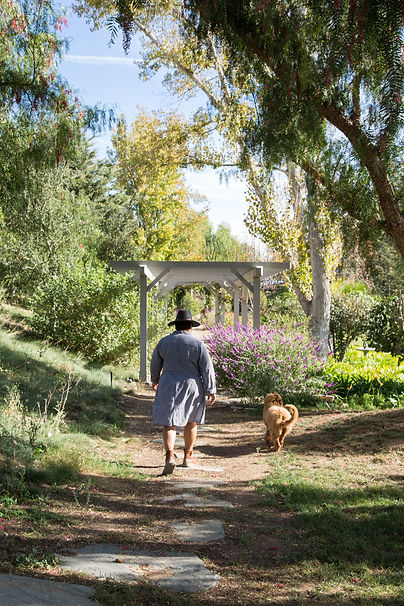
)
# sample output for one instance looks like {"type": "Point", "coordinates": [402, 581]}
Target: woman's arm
{"type": "Point", "coordinates": [156, 365]}
{"type": "Point", "coordinates": [207, 371]}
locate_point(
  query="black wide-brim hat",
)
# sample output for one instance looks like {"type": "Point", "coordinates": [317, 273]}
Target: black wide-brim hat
{"type": "Point", "coordinates": [184, 315]}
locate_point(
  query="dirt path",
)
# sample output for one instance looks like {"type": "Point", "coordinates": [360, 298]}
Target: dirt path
{"type": "Point", "coordinates": [231, 445]}
{"type": "Point", "coordinates": [222, 441]}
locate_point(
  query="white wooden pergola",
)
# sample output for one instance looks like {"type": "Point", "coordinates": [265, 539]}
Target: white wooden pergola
{"type": "Point", "coordinates": [242, 280]}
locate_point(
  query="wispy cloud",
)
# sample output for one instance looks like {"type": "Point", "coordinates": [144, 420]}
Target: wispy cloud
{"type": "Point", "coordinates": [97, 60]}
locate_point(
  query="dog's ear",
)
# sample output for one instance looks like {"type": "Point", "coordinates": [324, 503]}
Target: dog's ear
{"type": "Point", "coordinates": [278, 398]}
{"type": "Point", "coordinates": [268, 399]}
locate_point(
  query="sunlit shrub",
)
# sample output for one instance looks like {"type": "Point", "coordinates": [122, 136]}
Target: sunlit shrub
{"type": "Point", "coordinates": [376, 373]}
{"type": "Point", "coordinates": [385, 326]}
{"type": "Point", "coordinates": [252, 362]}
{"type": "Point", "coordinates": [91, 311]}
{"type": "Point", "coordinates": [350, 312]}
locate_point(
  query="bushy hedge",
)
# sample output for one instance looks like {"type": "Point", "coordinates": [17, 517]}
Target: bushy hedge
{"type": "Point", "coordinates": [376, 377]}
{"type": "Point", "coordinates": [252, 362]}
{"type": "Point", "coordinates": [350, 312]}
{"type": "Point", "coordinates": [385, 325]}
{"type": "Point", "coordinates": [91, 311]}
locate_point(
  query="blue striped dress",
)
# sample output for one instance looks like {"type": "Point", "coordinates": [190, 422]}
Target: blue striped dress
{"type": "Point", "coordinates": [184, 372]}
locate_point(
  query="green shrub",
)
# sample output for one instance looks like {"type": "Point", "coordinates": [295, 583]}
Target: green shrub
{"type": "Point", "coordinates": [183, 299]}
{"type": "Point", "coordinates": [23, 432]}
{"type": "Point", "coordinates": [385, 326]}
{"type": "Point", "coordinates": [350, 312]}
{"type": "Point", "coordinates": [283, 308]}
{"type": "Point", "coordinates": [372, 401]}
{"type": "Point", "coordinates": [376, 374]}
{"type": "Point", "coordinates": [91, 311]}
{"type": "Point", "coordinates": [252, 362]}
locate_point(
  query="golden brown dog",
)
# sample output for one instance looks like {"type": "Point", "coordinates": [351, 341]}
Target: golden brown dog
{"type": "Point", "coordinates": [279, 419]}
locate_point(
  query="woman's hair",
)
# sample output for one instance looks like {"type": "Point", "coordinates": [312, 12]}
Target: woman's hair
{"type": "Point", "coordinates": [184, 325]}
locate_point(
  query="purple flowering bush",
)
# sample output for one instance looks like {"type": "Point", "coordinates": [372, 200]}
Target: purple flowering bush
{"type": "Point", "coordinates": [251, 363]}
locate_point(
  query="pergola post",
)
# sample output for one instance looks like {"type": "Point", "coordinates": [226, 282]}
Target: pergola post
{"type": "Point", "coordinates": [222, 312]}
{"type": "Point", "coordinates": [217, 309]}
{"type": "Point", "coordinates": [256, 298]}
{"type": "Point", "coordinates": [244, 307]}
{"type": "Point", "coordinates": [236, 307]}
{"type": "Point", "coordinates": [143, 324]}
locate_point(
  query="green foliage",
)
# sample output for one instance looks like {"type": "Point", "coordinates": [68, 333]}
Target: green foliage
{"type": "Point", "coordinates": [184, 300]}
{"type": "Point", "coordinates": [384, 265]}
{"type": "Point", "coordinates": [350, 313]}
{"type": "Point", "coordinates": [374, 379]}
{"type": "Point", "coordinates": [36, 559]}
{"type": "Point", "coordinates": [89, 310]}
{"type": "Point", "coordinates": [385, 326]}
{"type": "Point", "coordinates": [150, 157]}
{"type": "Point", "coordinates": [24, 436]}
{"type": "Point", "coordinates": [282, 308]}
{"type": "Point", "coordinates": [221, 245]}
{"type": "Point", "coordinates": [43, 373]}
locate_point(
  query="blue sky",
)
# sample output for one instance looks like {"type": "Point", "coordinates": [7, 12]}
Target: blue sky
{"type": "Point", "coordinates": [103, 74]}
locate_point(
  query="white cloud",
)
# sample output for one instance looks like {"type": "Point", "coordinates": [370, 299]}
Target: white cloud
{"type": "Point", "coordinates": [97, 60]}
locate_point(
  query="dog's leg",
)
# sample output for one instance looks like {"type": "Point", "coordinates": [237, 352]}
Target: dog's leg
{"type": "Point", "coordinates": [278, 444]}
{"type": "Point", "coordinates": [283, 436]}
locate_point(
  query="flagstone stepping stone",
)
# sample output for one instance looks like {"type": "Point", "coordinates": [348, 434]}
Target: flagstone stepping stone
{"type": "Point", "coordinates": [192, 500]}
{"type": "Point", "coordinates": [179, 443]}
{"type": "Point", "coordinates": [17, 591]}
{"type": "Point", "coordinates": [181, 572]}
{"type": "Point", "coordinates": [184, 484]}
{"type": "Point", "coordinates": [104, 561]}
{"type": "Point", "coordinates": [204, 531]}
{"type": "Point", "coordinates": [197, 467]}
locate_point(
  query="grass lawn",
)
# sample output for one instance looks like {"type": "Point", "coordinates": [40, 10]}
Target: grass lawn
{"type": "Point", "coordinates": [343, 486]}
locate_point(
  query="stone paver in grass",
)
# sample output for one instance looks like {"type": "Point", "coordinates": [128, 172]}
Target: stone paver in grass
{"type": "Point", "coordinates": [204, 531]}
{"type": "Point", "coordinates": [25, 591]}
{"type": "Point", "coordinates": [181, 572]}
{"type": "Point", "coordinates": [192, 500]}
{"type": "Point", "coordinates": [189, 484]}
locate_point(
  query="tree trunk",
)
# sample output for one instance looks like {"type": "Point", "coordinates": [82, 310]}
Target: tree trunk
{"type": "Point", "coordinates": [318, 309]}
{"type": "Point", "coordinates": [321, 302]}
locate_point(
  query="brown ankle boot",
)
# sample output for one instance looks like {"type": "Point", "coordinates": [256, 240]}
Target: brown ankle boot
{"type": "Point", "coordinates": [188, 460]}
{"type": "Point", "coordinates": [170, 463]}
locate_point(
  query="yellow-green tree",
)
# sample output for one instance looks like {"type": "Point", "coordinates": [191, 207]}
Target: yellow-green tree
{"type": "Point", "coordinates": [151, 155]}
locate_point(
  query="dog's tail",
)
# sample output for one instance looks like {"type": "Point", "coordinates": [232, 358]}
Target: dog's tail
{"type": "Point", "coordinates": [295, 415]}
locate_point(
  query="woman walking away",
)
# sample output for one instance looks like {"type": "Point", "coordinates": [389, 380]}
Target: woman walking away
{"type": "Point", "coordinates": [182, 376]}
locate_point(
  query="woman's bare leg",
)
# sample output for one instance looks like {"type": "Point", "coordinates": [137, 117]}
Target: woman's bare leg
{"type": "Point", "coordinates": [169, 432]}
{"type": "Point", "coordinates": [190, 432]}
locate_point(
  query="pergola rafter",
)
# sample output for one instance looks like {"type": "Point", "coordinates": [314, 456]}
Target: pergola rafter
{"type": "Point", "coordinates": [239, 278]}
